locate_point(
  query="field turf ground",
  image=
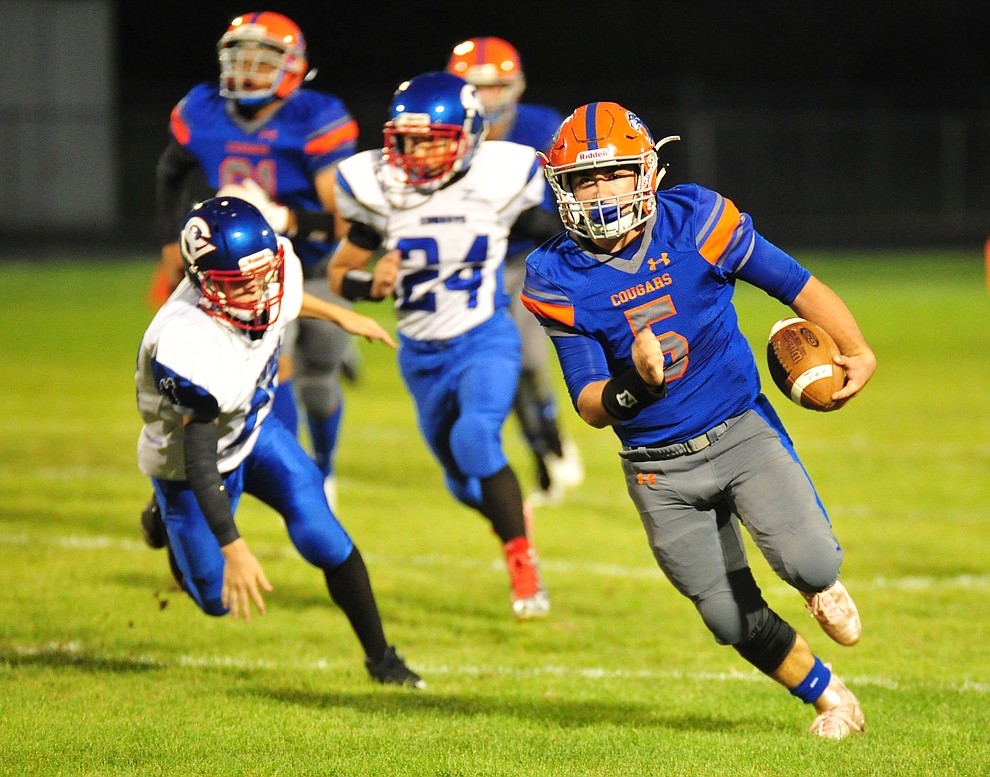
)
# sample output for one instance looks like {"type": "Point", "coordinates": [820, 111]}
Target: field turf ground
{"type": "Point", "coordinates": [106, 669]}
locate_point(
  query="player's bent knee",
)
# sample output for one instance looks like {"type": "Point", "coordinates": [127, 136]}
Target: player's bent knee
{"type": "Point", "coordinates": [768, 646]}
{"type": "Point", "coordinates": [816, 565]}
{"type": "Point", "coordinates": [475, 444]}
{"type": "Point", "coordinates": [724, 618]}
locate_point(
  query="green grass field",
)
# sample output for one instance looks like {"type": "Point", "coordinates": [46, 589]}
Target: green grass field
{"type": "Point", "coordinates": [106, 669]}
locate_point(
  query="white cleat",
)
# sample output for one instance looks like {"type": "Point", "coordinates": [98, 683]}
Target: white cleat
{"type": "Point", "coordinates": [330, 491]}
{"type": "Point", "coordinates": [836, 613]}
{"type": "Point", "coordinates": [840, 713]}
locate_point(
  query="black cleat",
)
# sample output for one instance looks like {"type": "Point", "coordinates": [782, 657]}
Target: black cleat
{"type": "Point", "coordinates": [392, 670]}
{"type": "Point", "coordinates": [152, 526]}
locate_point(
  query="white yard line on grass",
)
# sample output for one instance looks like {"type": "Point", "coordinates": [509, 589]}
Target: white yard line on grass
{"type": "Point", "coordinates": [912, 583]}
{"type": "Point", "coordinates": [75, 648]}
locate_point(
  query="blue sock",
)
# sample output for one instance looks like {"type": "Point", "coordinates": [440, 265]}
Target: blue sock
{"type": "Point", "coordinates": [323, 435]}
{"type": "Point", "coordinates": [813, 686]}
{"type": "Point", "coordinates": [284, 407]}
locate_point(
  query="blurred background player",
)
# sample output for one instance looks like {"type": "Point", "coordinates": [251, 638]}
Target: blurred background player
{"type": "Point", "coordinates": [265, 139]}
{"type": "Point", "coordinates": [441, 204]}
{"type": "Point", "coordinates": [493, 67]}
{"type": "Point", "coordinates": [209, 436]}
{"type": "Point", "coordinates": [668, 369]}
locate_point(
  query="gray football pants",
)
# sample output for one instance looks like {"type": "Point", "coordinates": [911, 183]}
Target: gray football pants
{"type": "Point", "coordinates": [692, 507]}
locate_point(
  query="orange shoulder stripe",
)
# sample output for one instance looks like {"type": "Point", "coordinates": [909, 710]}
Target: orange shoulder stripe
{"type": "Point", "coordinates": [722, 233]}
{"type": "Point", "coordinates": [563, 314]}
{"type": "Point", "coordinates": [328, 141]}
{"type": "Point", "coordinates": [179, 128]}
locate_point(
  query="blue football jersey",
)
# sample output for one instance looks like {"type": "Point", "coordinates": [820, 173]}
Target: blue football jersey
{"type": "Point", "coordinates": [678, 278]}
{"type": "Point", "coordinates": [282, 153]}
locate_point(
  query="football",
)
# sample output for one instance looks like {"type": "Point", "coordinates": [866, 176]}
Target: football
{"type": "Point", "coordinates": [799, 354]}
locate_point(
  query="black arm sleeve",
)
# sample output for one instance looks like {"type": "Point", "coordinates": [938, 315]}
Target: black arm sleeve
{"type": "Point", "coordinates": [363, 236]}
{"type": "Point", "coordinates": [200, 439]}
{"type": "Point", "coordinates": [538, 224]}
{"type": "Point", "coordinates": [180, 183]}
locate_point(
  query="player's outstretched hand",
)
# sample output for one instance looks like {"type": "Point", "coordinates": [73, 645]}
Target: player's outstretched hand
{"type": "Point", "coordinates": [243, 581]}
{"type": "Point", "coordinates": [386, 275]}
{"type": "Point", "coordinates": [648, 357]}
{"type": "Point", "coordinates": [365, 327]}
{"type": "Point", "coordinates": [351, 322]}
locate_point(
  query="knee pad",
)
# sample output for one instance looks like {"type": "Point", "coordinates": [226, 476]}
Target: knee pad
{"type": "Point", "coordinates": [816, 564]}
{"type": "Point", "coordinates": [733, 615]}
{"type": "Point", "coordinates": [320, 347]}
{"type": "Point", "coordinates": [475, 442]}
{"type": "Point", "coordinates": [319, 394]}
{"type": "Point", "coordinates": [768, 646]}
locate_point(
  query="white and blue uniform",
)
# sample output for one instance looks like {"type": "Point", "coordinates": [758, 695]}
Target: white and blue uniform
{"type": "Point", "coordinates": [193, 364]}
{"type": "Point", "coordinates": [459, 351]}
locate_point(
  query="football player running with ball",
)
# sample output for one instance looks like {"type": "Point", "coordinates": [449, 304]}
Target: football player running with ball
{"type": "Point", "coordinates": [206, 375]}
{"type": "Point", "coordinates": [637, 299]}
{"type": "Point", "coordinates": [441, 203]}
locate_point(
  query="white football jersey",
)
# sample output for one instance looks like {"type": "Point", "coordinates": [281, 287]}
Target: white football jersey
{"type": "Point", "coordinates": [185, 345]}
{"type": "Point", "coordinates": [453, 240]}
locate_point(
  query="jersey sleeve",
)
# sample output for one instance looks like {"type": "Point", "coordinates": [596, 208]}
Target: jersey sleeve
{"type": "Point", "coordinates": [347, 202]}
{"type": "Point", "coordinates": [333, 140]}
{"type": "Point", "coordinates": [725, 237]}
{"type": "Point", "coordinates": [582, 359]}
{"type": "Point", "coordinates": [173, 371]}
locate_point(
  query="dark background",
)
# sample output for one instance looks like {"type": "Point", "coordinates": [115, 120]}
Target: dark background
{"type": "Point", "coordinates": [877, 81]}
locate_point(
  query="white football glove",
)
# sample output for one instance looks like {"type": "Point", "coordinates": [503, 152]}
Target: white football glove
{"type": "Point", "coordinates": [248, 189]}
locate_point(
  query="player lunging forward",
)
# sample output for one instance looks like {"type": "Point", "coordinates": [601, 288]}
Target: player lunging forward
{"type": "Point", "coordinates": [637, 298]}
{"type": "Point", "coordinates": [441, 203]}
{"type": "Point", "coordinates": [206, 374]}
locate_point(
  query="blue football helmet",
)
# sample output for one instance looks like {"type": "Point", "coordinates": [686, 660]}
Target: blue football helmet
{"type": "Point", "coordinates": [436, 124]}
{"type": "Point", "coordinates": [231, 254]}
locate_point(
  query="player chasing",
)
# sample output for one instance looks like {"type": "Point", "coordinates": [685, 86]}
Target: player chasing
{"type": "Point", "coordinates": [206, 377]}
{"type": "Point", "coordinates": [263, 136]}
{"type": "Point", "coordinates": [667, 367]}
{"type": "Point", "coordinates": [493, 67]}
{"type": "Point", "coordinates": [441, 202]}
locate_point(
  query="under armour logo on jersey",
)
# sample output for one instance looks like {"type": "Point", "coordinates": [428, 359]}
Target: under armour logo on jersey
{"type": "Point", "coordinates": [196, 239]}
{"type": "Point", "coordinates": [647, 479]}
{"type": "Point", "coordinates": [654, 263]}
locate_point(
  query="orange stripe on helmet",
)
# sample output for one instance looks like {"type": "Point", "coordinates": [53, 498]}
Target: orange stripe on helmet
{"type": "Point", "coordinates": [329, 141]}
{"type": "Point", "coordinates": [717, 241]}
{"type": "Point", "coordinates": [563, 314]}
{"type": "Point", "coordinates": [179, 127]}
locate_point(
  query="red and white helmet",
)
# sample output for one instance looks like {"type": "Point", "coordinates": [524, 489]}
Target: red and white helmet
{"type": "Point", "coordinates": [603, 135]}
{"type": "Point", "coordinates": [262, 58]}
{"type": "Point", "coordinates": [490, 62]}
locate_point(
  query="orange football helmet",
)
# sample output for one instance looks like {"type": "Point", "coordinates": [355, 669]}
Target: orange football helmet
{"type": "Point", "coordinates": [487, 62]}
{"type": "Point", "coordinates": [602, 135]}
{"type": "Point", "coordinates": [262, 58]}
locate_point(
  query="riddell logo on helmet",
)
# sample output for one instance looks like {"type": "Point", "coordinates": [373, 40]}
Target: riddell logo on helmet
{"type": "Point", "coordinates": [596, 153]}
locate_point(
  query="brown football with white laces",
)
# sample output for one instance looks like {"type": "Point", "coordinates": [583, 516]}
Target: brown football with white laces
{"type": "Point", "coordinates": [799, 355]}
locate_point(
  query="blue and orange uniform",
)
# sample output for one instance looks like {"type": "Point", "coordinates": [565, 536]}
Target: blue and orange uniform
{"type": "Point", "coordinates": [283, 153]}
